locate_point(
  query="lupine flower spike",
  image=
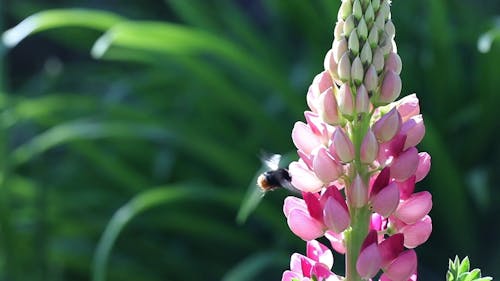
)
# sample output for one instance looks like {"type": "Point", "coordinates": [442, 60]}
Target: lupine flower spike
{"type": "Point", "coordinates": [358, 161]}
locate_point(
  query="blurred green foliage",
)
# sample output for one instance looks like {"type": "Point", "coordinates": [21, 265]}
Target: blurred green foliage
{"type": "Point", "coordinates": [131, 130]}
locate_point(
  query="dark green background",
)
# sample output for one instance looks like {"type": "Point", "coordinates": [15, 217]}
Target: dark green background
{"type": "Point", "coordinates": [82, 136]}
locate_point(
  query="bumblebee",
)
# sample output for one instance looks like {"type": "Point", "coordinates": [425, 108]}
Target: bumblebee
{"type": "Point", "coordinates": [276, 177]}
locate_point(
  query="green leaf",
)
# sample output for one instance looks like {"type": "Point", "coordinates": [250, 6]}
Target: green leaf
{"type": "Point", "coordinates": [464, 265]}
{"type": "Point", "coordinates": [93, 19]}
{"type": "Point", "coordinates": [144, 201]}
{"type": "Point", "coordinates": [249, 268]}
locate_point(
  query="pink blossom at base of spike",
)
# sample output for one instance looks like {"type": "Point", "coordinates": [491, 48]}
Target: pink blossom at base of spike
{"type": "Point", "coordinates": [417, 233]}
{"type": "Point", "coordinates": [335, 216]}
{"type": "Point", "coordinates": [403, 267]}
{"type": "Point", "coordinates": [300, 221]}
{"type": "Point", "coordinates": [405, 164]}
{"type": "Point", "coordinates": [388, 126]}
{"type": "Point", "coordinates": [424, 166]}
{"type": "Point", "coordinates": [326, 168]}
{"type": "Point", "coordinates": [414, 208]}
{"type": "Point", "coordinates": [304, 179]}
{"type": "Point", "coordinates": [336, 240]}
{"type": "Point", "coordinates": [386, 201]}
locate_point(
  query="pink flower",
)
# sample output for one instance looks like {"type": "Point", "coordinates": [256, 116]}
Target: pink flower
{"type": "Point", "coordinates": [300, 221]}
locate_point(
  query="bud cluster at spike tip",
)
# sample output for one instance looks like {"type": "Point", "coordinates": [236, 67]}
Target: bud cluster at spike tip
{"type": "Point", "coordinates": [360, 83]}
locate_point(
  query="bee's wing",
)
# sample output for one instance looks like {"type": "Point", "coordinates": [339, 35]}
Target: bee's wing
{"type": "Point", "coordinates": [271, 161]}
{"type": "Point", "coordinates": [288, 185]}
{"type": "Point", "coordinates": [252, 198]}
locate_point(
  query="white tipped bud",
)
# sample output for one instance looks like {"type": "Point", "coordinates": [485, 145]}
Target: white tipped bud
{"type": "Point", "coordinates": [339, 29]}
{"type": "Point", "coordinates": [386, 44]}
{"type": "Point", "coordinates": [362, 100]}
{"type": "Point", "coordinates": [357, 71]}
{"type": "Point", "coordinates": [345, 10]}
{"type": "Point", "coordinates": [366, 54]}
{"type": "Point", "coordinates": [345, 100]}
{"type": "Point", "coordinates": [378, 60]}
{"type": "Point", "coordinates": [362, 29]}
{"type": "Point", "coordinates": [390, 29]}
{"type": "Point", "coordinates": [353, 43]}
{"type": "Point", "coordinates": [379, 21]}
{"type": "Point", "coordinates": [369, 14]}
{"type": "Point", "coordinates": [385, 9]}
{"type": "Point", "coordinates": [339, 49]}
{"type": "Point", "coordinates": [344, 68]}
{"type": "Point", "coordinates": [373, 37]}
{"type": "Point", "coordinates": [331, 65]}
{"type": "Point", "coordinates": [376, 5]}
{"type": "Point", "coordinates": [349, 25]}
{"type": "Point", "coordinates": [357, 11]}
{"type": "Point", "coordinates": [371, 79]}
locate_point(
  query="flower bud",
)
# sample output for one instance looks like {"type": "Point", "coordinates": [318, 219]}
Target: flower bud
{"type": "Point", "coordinates": [339, 29]}
{"type": "Point", "coordinates": [388, 126]}
{"type": "Point", "coordinates": [331, 65]}
{"type": "Point", "coordinates": [346, 103]}
{"type": "Point", "coordinates": [369, 14]}
{"type": "Point", "coordinates": [386, 44]}
{"type": "Point", "coordinates": [349, 25]}
{"type": "Point", "coordinates": [373, 37]}
{"type": "Point", "coordinates": [336, 217]}
{"type": "Point", "coordinates": [339, 48]}
{"type": "Point", "coordinates": [378, 60]}
{"type": "Point", "coordinates": [342, 146]}
{"type": "Point", "coordinates": [353, 44]}
{"type": "Point", "coordinates": [357, 11]}
{"type": "Point", "coordinates": [379, 22]}
{"type": "Point", "coordinates": [366, 54]}
{"type": "Point", "coordinates": [345, 9]}
{"type": "Point", "coordinates": [304, 179]}
{"type": "Point", "coordinates": [414, 130]}
{"type": "Point", "coordinates": [344, 68]}
{"type": "Point", "coordinates": [371, 79]}
{"type": "Point", "coordinates": [393, 62]}
{"type": "Point", "coordinates": [327, 107]}
{"type": "Point", "coordinates": [390, 29]}
{"type": "Point", "coordinates": [336, 240]}
{"type": "Point", "coordinates": [369, 147]}
{"type": "Point", "coordinates": [375, 5]}
{"type": "Point", "coordinates": [357, 193]}
{"type": "Point", "coordinates": [362, 29]}
{"type": "Point", "coordinates": [387, 200]}
{"type": "Point", "coordinates": [414, 208]}
{"type": "Point", "coordinates": [424, 166]}
{"type": "Point", "coordinates": [417, 233]}
{"type": "Point", "coordinates": [385, 9]}
{"type": "Point", "coordinates": [391, 88]}
{"type": "Point", "coordinates": [405, 165]}
{"type": "Point", "coordinates": [325, 167]}
{"type": "Point", "coordinates": [357, 71]}
{"type": "Point", "coordinates": [402, 267]}
{"type": "Point", "coordinates": [362, 100]}
{"type": "Point", "coordinates": [391, 248]}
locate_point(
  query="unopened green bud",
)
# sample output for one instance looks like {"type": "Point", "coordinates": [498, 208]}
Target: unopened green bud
{"type": "Point", "coordinates": [362, 29]}
{"type": "Point", "coordinates": [375, 5]}
{"type": "Point", "coordinates": [366, 54]}
{"type": "Point", "coordinates": [369, 14]}
{"type": "Point", "coordinates": [339, 29]}
{"type": "Point", "coordinates": [357, 11]}
{"type": "Point", "coordinates": [365, 3]}
{"type": "Point", "coordinates": [390, 29]}
{"type": "Point", "coordinates": [349, 25]}
{"type": "Point", "coordinates": [380, 21]}
{"type": "Point", "coordinates": [385, 9]}
{"type": "Point", "coordinates": [345, 10]}
{"type": "Point", "coordinates": [373, 37]}
{"type": "Point", "coordinates": [357, 71]}
{"type": "Point", "coordinates": [371, 79]}
{"type": "Point", "coordinates": [344, 67]}
{"type": "Point", "coordinates": [353, 44]}
{"type": "Point", "coordinates": [378, 60]}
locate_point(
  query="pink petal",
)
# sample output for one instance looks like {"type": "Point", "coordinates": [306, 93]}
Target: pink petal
{"type": "Point", "coordinates": [303, 138]}
{"type": "Point", "coordinates": [303, 178]}
{"type": "Point", "coordinates": [424, 166]}
{"type": "Point", "coordinates": [319, 253]}
{"type": "Point", "coordinates": [325, 167]}
{"type": "Point", "coordinates": [328, 108]}
{"type": "Point", "coordinates": [381, 181]}
{"type": "Point", "coordinates": [369, 148]}
{"type": "Point", "coordinates": [417, 233]}
{"type": "Point", "coordinates": [313, 205]}
{"type": "Point", "coordinates": [342, 146]}
{"type": "Point", "coordinates": [415, 208]}
{"type": "Point", "coordinates": [403, 267]}
{"type": "Point", "coordinates": [303, 225]}
{"type": "Point", "coordinates": [387, 200]}
{"type": "Point", "coordinates": [291, 203]}
{"type": "Point", "coordinates": [405, 165]}
{"type": "Point", "coordinates": [388, 126]}
{"type": "Point", "coordinates": [408, 107]}
{"type": "Point", "coordinates": [369, 261]}
{"type": "Point", "coordinates": [390, 248]}
{"type": "Point", "coordinates": [414, 129]}
{"type": "Point", "coordinates": [290, 276]}
{"type": "Point", "coordinates": [335, 216]}
{"type": "Point", "coordinates": [336, 240]}
{"type": "Point", "coordinates": [357, 194]}
{"type": "Point", "coordinates": [406, 187]}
